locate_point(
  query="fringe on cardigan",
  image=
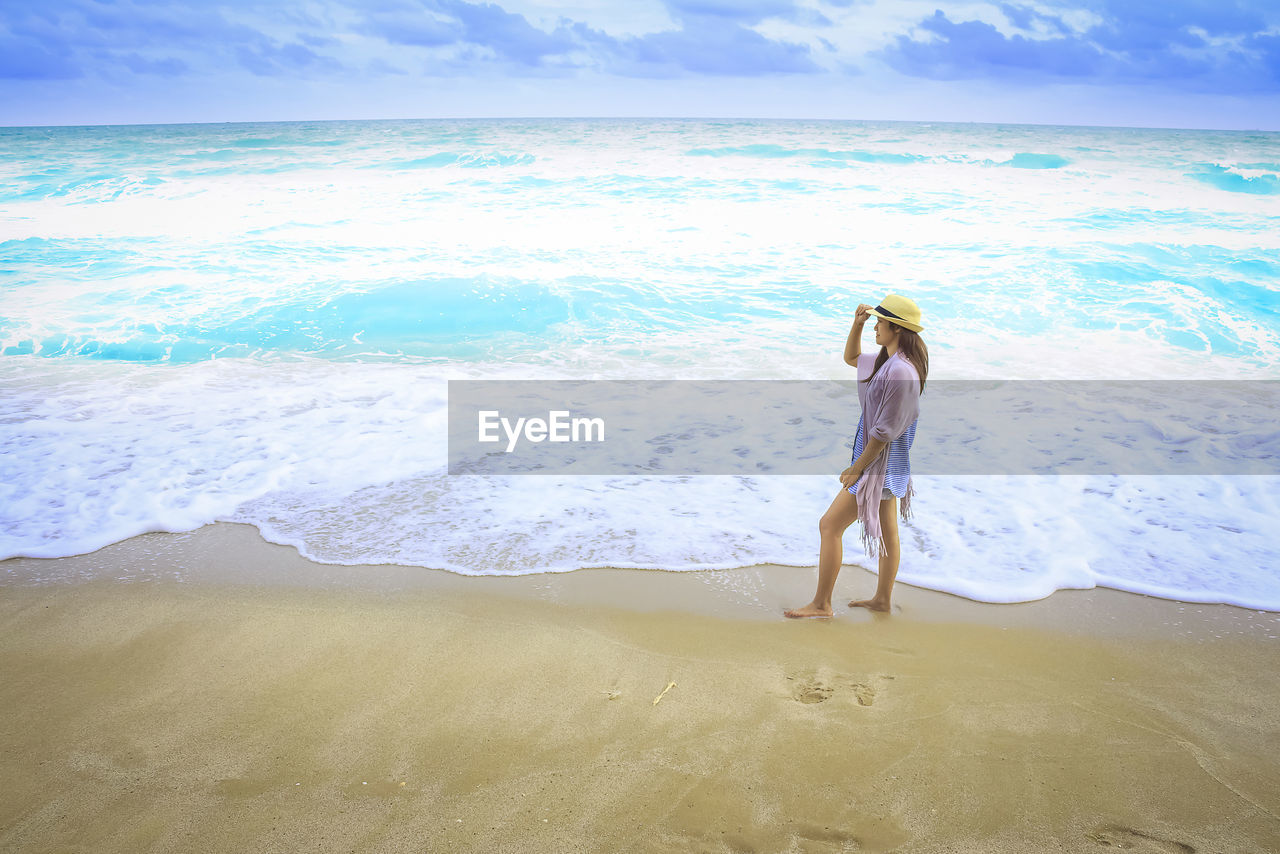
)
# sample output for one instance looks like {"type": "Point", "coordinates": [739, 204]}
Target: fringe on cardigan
{"type": "Point", "coordinates": [874, 546]}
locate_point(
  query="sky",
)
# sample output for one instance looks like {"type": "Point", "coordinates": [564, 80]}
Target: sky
{"type": "Point", "coordinates": [1135, 63]}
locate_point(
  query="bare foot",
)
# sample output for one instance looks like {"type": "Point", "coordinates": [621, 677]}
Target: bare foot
{"type": "Point", "coordinates": [870, 604]}
{"type": "Point", "coordinates": [810, 610]}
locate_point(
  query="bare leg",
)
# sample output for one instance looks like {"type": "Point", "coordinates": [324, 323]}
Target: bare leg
{"type": "Point", "coordinates": [889, 558]}
{"type": "Point", "coordinates": [842, 513]}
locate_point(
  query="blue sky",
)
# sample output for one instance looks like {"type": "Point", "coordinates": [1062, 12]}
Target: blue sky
{"type": "Point", "coordinates": [1161, 63]}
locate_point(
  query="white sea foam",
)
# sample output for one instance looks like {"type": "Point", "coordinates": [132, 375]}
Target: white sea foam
{"type": "Point", "coordinates": [345, 461]}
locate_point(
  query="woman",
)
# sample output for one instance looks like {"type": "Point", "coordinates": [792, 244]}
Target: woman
{"type": "Point", "coordinates": [889, 386]}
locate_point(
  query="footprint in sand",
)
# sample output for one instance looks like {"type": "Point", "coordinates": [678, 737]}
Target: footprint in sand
{"type": "Point", "coordinates": [864, 692]}
{"type": "Point", "coordinates": [812, 691]}
{"type": "Point", "coordinates": [809, 688]}
{"type": "Point", "coordinates": [1128, 839]}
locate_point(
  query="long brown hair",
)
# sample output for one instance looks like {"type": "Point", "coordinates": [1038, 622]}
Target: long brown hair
{"type": "Point", "coordinates": [912, 348]}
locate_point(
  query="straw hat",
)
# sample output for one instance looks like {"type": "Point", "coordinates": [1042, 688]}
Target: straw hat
{"type": "Point", "coordinates": [900, 310]}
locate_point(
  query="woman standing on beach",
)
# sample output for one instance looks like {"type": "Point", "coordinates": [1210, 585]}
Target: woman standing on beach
{"type": "Point", "coordinates": [889, 386]}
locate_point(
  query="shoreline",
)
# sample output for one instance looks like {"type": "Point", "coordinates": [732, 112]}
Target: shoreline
{"type": "Point", "coordinates": [198, 705]}
{"type": "Point", "coordinates": [234, 554]}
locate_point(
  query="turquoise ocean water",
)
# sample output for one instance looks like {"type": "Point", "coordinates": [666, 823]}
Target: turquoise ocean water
{"type": "Point", "coordinates": [256, 323]}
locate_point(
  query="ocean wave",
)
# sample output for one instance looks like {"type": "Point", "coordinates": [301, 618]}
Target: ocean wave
{"type": "Point", "coordinates": [1029, 160]}
{"type": "Point", "coordinates": [416, 317]}
{"type": "Point", "coordinates": [261, 142]}
{"type": "Point", "coordinates": [84, 189]}
{"type": "Point", "coordinates": [1234, 181]}
{"type": "Point", "coordinates": [774, 152]}
{"type": "Point", "coordinates": [1107, 219]}
{"type": "Point", "coordinates": [844, 157]}
{"type": "Point", "coordinates": [463, 159]}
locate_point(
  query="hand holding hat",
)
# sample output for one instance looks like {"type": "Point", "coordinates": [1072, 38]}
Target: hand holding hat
{"type": "Point", "coordinates": [898, 310]}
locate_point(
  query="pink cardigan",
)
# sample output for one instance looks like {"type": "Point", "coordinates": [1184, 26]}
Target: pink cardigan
{"type": "Point", "coordinates": [890, 404]}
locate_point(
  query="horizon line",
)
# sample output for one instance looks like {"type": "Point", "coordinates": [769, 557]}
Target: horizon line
{"type": "Point", "coordinates": [637, 118]}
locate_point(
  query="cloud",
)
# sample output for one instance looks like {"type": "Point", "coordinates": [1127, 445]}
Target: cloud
{"type": "Point", "coordinates": [1175, 18]}
{"type": "Point", "coordinates": [271, 59]}
{"type": "Point", "coordinates": [484, 33]}
{"type": "Point", "coordinates": [701, 47]}
{"type": "Point", "coordinates": [1027, 17]}
{"type": "Point", "coordinates": [1202, 45]}
{"type": "Point", "coordinates": [977, 49]}
{"type": "Point", "coordinates": [742, 11]}
{"type": "Point", "coordinates": [418, 27]}
{"type": "Point", "coordinates": [75, 24]}
{"type": "Point", "coordinates": [712, 39]}
{"type": "Point", "coordinates": [341, 39]}
{"type": "Point", "coordinates": [22, 59]}
{"type": "Point", "coordinates": [91, 37]}
{"type": "Point", "coordinates": [1268, 49]}
{"type": "Point", "coordinates": [508, 35]}
{"type": "Point", "coordinates": [1197, 44]}
{"type": "Point", "coordinates": [746, 12]}
{"type": "Point", "coordinates": [169, 67]}
{"type": "Point", "coordinates": [1157, 24]}
{"type": "Point", "coordinates": [311, 40]}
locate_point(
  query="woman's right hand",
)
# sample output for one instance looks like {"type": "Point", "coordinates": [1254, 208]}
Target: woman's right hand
{"type": "Point", "coordinates": [864, 311]}
{"type": "Point", "coordinates": [850, 476]}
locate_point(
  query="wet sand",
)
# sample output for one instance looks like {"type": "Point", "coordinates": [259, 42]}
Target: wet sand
{"type": "Point", "coordinates": [210, 692]}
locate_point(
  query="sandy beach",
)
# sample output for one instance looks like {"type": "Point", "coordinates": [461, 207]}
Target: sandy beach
{"type": "Point", "coordinates": [211, 692]}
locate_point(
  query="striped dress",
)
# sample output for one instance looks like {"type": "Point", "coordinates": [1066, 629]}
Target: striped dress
{"type": "Point", "coordinates": [898, 475]}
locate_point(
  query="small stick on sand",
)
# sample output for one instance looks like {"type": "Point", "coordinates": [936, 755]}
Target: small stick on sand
{"type": "Point", "coordinates": [670, 685]}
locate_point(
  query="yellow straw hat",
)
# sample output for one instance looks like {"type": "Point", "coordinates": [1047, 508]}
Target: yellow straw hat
{"type": "Point", "coordinates": [900, 310]}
